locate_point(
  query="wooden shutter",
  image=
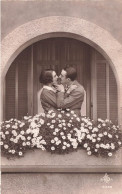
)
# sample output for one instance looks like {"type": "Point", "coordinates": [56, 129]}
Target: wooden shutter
{"type": "Point", "coordinates": [101, 91]}
{"type": "Point", "coordinates": [113, 97]}
{"type": "Point", "coordinates": [10, 93]}
{"type": "Point", "coordinates": [22, 89]}
{"type": "Point", "coordinates": [16, 105]}
{"type": "Point", "coordinates": [104, 89]}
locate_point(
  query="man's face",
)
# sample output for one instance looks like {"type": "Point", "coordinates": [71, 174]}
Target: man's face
{"type": "Point", "coordinates": [63, 77]}
{"type": "Point", "coordinates": [54, 75]}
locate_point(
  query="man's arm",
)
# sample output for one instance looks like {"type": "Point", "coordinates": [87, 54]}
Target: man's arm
{"type": "Point", "coordinates": [69, 101]}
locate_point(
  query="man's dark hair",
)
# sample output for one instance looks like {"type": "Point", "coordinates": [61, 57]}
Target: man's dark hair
{"type": "Point", "coordinates": [71, 72]}
{"type": "Point", "coordinates": [46, 76]}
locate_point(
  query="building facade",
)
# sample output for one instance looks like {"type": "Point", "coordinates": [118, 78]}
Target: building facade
{"type": "Point", "coordinates": [44, 34]}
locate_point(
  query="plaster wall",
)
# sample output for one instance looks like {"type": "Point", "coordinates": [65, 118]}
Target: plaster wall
{"type": "Point", "coordinates": [60, 183]}
{"type": "Point", "coordinates": [104, 13]}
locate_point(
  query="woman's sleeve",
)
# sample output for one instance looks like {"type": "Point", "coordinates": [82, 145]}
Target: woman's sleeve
{"type": "Point", "coordinates": [49, 97]}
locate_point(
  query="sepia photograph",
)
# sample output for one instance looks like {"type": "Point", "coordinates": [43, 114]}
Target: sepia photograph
{"type": "Point", "coordinates": [61, 97]}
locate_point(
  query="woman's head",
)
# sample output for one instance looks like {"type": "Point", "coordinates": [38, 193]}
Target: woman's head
{"type": "Point", "coordinates": [48, 76]}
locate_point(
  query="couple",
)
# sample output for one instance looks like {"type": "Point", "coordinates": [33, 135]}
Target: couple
{"type": "Point", "coordinates": [67, 95]}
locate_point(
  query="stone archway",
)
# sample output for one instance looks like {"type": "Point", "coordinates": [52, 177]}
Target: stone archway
{"type": "Point", "coordinates": [53, 26]}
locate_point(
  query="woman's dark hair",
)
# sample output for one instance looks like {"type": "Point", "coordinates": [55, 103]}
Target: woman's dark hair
{"type": "Point", "coordinates": [46, 77]}
{"type": "Point", "coordinates": [71, 72]}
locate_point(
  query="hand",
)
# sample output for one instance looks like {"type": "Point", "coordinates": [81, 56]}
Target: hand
{"type": "Point", "coordinates": [60, 88]}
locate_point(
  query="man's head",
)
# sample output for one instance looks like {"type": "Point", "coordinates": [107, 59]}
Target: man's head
{"type": "Point", "coordinates": [68, 75]}
{"type": "Point", "coordinates": [48, 77]}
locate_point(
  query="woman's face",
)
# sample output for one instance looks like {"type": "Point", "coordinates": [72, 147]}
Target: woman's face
{"type": "Point", "coordinates": [55, 77]}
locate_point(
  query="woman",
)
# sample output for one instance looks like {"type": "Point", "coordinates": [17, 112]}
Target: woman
{"type": "Point", "coordinates": [48, 95]}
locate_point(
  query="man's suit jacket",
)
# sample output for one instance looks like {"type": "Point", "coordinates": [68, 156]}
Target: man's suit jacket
{"type": "Point", "coordinates": [73, 100]}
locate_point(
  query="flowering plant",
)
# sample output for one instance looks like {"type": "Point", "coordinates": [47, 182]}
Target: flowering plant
{"type": "Point", "coordinates": [102, 138]}
{"type": "Point", "coordinates": [59, 132]}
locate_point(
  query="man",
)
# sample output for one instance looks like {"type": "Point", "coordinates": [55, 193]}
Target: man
{"type": "Point", "coordinates": [73, 97]}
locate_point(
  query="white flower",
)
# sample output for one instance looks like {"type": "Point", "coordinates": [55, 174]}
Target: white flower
{"type": "Point", "coordinates": [98, 138]}
{"type": "Point", "coordinates": [28, 143]}
{"type": "Point", "coordinates": [96, 150]}
{"type": "Point", "coordinates": [63, 124]}
{"type": "Point", "coordinates": [60, 125]}
{"type": "Point", "coordinates": [20, 153]}
{"type": "Point", "coordinates": [63, 137]}
{"type": "Point", "coordinates": [68, 145]}
{"type": "Point", "coordinates": [63, 147]}
{"type": "Point", "coordinates": [48, 124]}
{"type": "Point", "coordinates": [99, 126]}
{"type": "Point", "coordinates": [1, 143]}
{"type": "Point", "coordinates": [82, 124]}
{"type": "Point", "coordinates": [105, 133]}
{"type": "Point", "coordinates": [62, 133]}
{"type": "Point", "coordinates": [26, 118]}
{"type": "Point", "coordinates": [6, 146]}
{"type": "Point", "coordinates": [110, 154]}
{"type": "Point", "coordinates": [28, 138]}
{"type": "Point", "coordinates": [100, 135]}
{"type": "Point", "coordinates": [89, 153]}
{"type": "Point", "coordinates": [72, 112]}
{"type": "Point", "coordinates": [119, 142]}
{"type": "Point", "coordinates": [94, 135]}
{"type": "Point", "coordinates": [24, 143]}
{"type": "Point", "coordinates": [56, 138]}
{"type": "Point", "coordinates": [7, 132]}
{"type": "Point", "coordinates": [22, 132]}
{"type": "Point", "coordinates": [64, 128]}
{"type": "Point", "coordinates": [88, 136]}
{"type": "Point", "coordinates": [52, 148]}
{"type": "Point", "coordinates": [85, 145]}
{"type": "Point", "coordinates": [41, 121]}
{"type": "Point", "coordinates": [68, 135]}
{"type": "Point", "coordinates": [107, 146]}
{"type": "Point", "coordinates": [93, 140]}
{"type": "Point", "coordinates": [22, 137]}
{"type": "Point", "coordinates": [97, 146]}
{"type": "Point", "coordinates": [59, 115]}
{"type": "Point", "coordinates": [68, 114]}
{"type": "Point", "coordinates": [117, 136]}
{"type": "Point", "coordinates": [11, 139]}
{"type": "Point", "coordinates": [103, 145]}
{"type": "Point", "coordinates": [28, 131]}
{"type": "Point", "coordinates": [54, 133]}
{"type": "Point", "coordinates": [7, 126]}
{"type": "Point", "coordinates": [109, 135]}
{"type": "Point", "coordinates": [21, 125]}
{"type": "Point", "coordinates": [69, 125]}
{"type": "Point", "coordinates": [53, 115]}
{"type": "Point", "coordinates": [12, 151]}
{"type": "Point", "coordinates": [51, 126]}
{"type": "Point", "coordinates": [90, 127]}
{"type": "Point", "coordinates": [112, 147]}
{"type": "Point", "coordinates": [64, 143]}
{"type": "Point", "coordinates": [78, 119]}
{"type": "Point", "coordinates": [53, 121]}
{"type": "Point", "coordinates": [103, 124]}
{"type": "Point", "coordinates": [14, 127]}
{"type": "Point", "coordinates": [13, 131]}
{"type": "Point", "coordinates": [15, 141]}
{"type": "Point", "coordinates": [88, 148]}
{"type": "Point", "coordinates": [52, 141]}
{"type": "Point", "coordinates": [96, 129]}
